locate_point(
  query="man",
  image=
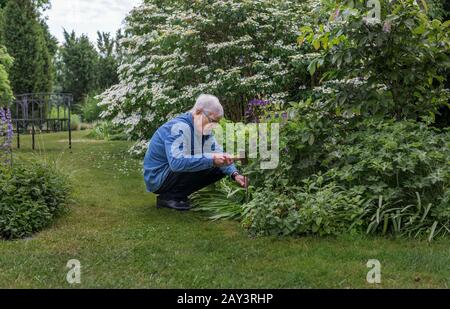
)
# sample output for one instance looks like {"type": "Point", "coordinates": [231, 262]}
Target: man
{"type": "Point", "coordinates": [183, 156]}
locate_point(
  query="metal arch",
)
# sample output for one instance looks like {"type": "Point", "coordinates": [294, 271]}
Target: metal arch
{"type": "Point", "coordinates": [34, 108]}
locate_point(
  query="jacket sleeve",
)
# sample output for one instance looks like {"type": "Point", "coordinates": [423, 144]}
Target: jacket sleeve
{"type": "Point", "coordinates": [177, 147]}
{"type": "Point", "coordinates": [229, 169]}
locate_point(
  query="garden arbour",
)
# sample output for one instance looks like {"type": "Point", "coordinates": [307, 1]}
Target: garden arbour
{"type": "Point", "coordinates": [43, 112]}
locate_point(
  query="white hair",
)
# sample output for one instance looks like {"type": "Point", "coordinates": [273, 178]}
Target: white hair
{"type": "Point", "coordinates": [209, 104]}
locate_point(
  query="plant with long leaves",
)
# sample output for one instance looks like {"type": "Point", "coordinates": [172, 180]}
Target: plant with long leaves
{"type": "Point", "coordinates": [222, 200]}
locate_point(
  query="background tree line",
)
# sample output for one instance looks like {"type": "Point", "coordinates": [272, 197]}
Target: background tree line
{"type": "Point", "coordinates": [32, 59]}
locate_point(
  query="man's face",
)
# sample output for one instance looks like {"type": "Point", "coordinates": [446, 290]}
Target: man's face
{"type": "Point", "coordinates": [205, 123]}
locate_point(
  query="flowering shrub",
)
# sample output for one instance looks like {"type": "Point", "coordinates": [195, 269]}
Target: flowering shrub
{"type": "Point", "coordinates": [175, 50]}
{"type": "Point", "coordinates": [6, 134]}
{"type": "Point", "coordinates": [254, 109]}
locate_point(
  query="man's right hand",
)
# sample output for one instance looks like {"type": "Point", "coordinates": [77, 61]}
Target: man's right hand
{"type": "Point", "coordinates": [222, 159]}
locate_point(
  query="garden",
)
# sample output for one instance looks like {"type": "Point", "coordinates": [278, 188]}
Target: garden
{"type": "Point", "coordinates": [359, 92]}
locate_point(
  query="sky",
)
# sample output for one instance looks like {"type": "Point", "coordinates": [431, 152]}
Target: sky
{"type": "Point", "coordinates": [87, 16]}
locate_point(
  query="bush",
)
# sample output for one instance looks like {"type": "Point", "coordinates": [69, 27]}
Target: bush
{"type": "Point", "coordinates": [86, 126]}
{"type": "Point", "coordinates": [394, 65]}
{"type": "Point", "coordinates": [90, 110]}
{"type": "Point", "coordinates": [345, 162]}
{"type": "Point", "coordinates": [381, 176]}
{"type": "Point", "coordinates": [32, 195]}
{"type": "Point", "coordinates": [402, 167]}
{"type": "Point", "coordinates": [314, 208]}
{"type": "Point", "coordinates": [107, 131]}
{"type": "Point", "coordinates": [75, 122]}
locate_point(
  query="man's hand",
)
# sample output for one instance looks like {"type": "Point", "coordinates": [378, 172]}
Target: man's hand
{"type": "Point", "coordinates": [241, 180]}
{"type": "Point", "coordinates": [222, 159]}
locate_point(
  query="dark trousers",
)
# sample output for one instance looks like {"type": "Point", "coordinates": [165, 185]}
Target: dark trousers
{"type": "Point", "coordinates": [179, 185]}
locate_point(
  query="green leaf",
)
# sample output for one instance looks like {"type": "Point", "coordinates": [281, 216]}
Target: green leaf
{"type": "Point", "coordinates": [316, 44]}
{"type": "Point", "coordinates": [311, 139]}
{"type": "Point", "coordinates": [420, 29]}
{"type": "Point", "coordinates": [312, 67]}
{"type": "Point", "coordinates": [433, 228]}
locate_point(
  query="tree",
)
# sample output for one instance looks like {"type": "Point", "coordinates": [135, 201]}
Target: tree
{"type": "Point", "coordinates": [44, 72]}
{"type": "Point", "coordinates": [5, 86]}
{"type": "Point", "coordinates": [107, 62]}
{"type": "Point", "coordinates": [77, 64]}
{"type": "Point", "coordinates": [27, 41]}
{"type": "Point", "coordinates": [20, 35]}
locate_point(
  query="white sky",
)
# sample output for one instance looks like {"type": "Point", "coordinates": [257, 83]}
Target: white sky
{"type": "Point", "coordinates": [87, 16]}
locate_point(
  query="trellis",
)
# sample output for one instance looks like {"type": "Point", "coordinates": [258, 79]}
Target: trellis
{"type": "Point", "coordinates": [43, 112]}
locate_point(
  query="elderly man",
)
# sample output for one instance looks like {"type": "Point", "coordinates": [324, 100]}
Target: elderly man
{"type": "Point", "coordinates": [183, 156]}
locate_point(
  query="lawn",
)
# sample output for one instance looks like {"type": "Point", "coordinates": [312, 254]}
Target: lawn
{"type": "Point", "coordinates": [122, 240]}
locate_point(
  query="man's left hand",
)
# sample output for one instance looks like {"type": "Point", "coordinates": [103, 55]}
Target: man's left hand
{"type": "Point", "coordinates": [241, 180]}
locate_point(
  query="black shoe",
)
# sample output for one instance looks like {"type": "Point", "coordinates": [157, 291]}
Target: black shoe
{"type": "Point", "coordinates": [177, 205]}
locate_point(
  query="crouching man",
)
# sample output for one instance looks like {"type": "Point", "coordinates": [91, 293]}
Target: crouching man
{"type": "Point", "coordinates": [183, 156]}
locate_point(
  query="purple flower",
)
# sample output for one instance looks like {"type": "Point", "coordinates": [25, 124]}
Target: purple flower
{"type": "Point", "coordinates": [387, 27]}
{"type": "Point", "coordinates": [255, 109]}
{"type": "Point", "coordinates": [6, 131]}
{"type": "Point", "coordinates": [336, 13]}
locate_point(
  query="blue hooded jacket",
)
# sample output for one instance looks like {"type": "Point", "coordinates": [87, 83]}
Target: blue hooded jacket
{"type": "Point", "coordinates": [164, 153]}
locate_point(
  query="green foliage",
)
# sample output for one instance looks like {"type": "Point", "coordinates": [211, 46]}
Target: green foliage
{"type": "Point", "coordinates": [77, 63]}
{"type": "Point", "coordinates": [354, 156]}
{"type": "Point", "coordinates": [402, 167]}
{"type": "Point", "coordinates": [82, 70]}
{"type": "Point", "coordinates": [32, 195]}
{"type": "Point", "coordinates": [107, 131]}
{"type": "Point", "coordinates": [5, 85]}
{"type": "Point", "coordinates": [438, 9]}
{"type": "Point", "coordinates": [75, 121]}
{"type": "Point", "coordinates": [90, 109]}
{"type": "Point", "coordinates": [393, 66]}
{"type": "Point", "coordinates": [107, 61]}
{"type": "Point", "coordinates": [345, 172]}
{"type": "Point", "coordinates": [312, 208]}
{"type": "Point", "coordinates": [27, 41]}
{"type": "Point", "coordinates": [222, 200]}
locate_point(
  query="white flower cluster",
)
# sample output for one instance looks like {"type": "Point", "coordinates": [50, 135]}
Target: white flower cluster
{"type": "Point", "coordinates": [304, 57]}
{"type": "Point", "coordinates": [139, 148]}
{"type": "Point", "coordinates": [226, 47]}
{"type": "Point", "coordinates": [355, 82]}
{"type": "Point", "coordinates": [323, 89]}
{"type": "Point", "coordinates": [242, 43]}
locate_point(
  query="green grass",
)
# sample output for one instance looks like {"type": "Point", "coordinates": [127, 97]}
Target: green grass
{"type": "Point", "coordinates": [123, 241]}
